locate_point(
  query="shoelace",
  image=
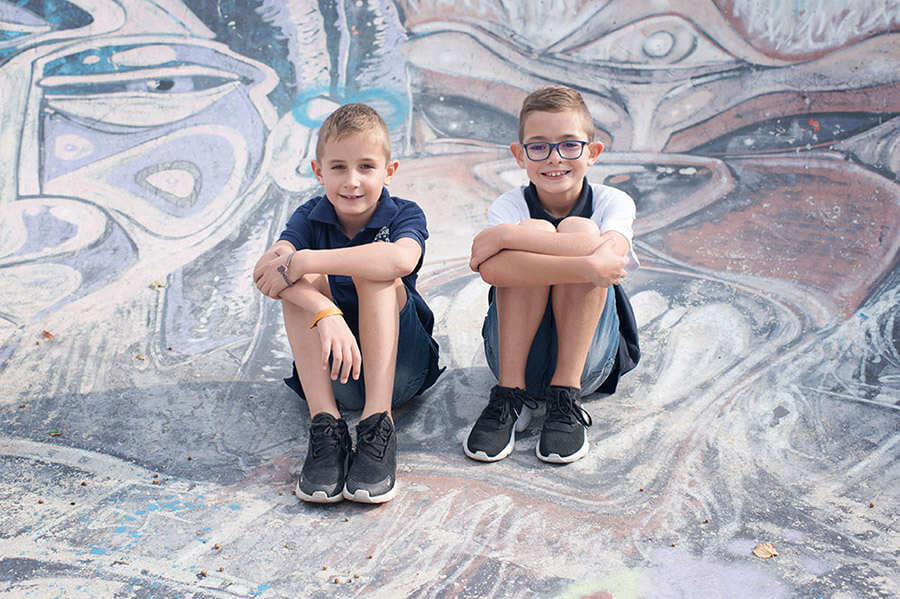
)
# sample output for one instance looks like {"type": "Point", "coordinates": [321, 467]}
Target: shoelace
{"type": "Point", "coordinates": [374, 441]}
{"type": "Point", "coordinates": [502, 404]}
{"type": "Point", "coordinates": [564, 407]}
{"type": "Point", "coordinates": [325, 436]}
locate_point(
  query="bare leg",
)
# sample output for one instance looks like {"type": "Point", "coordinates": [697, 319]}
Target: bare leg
{"type": "Point", "coordinates": [519, 313]}
{"type": "Point", "coordinates": [306, 348]}
{"type": "Point", "coordinates": [380, 303]}
{"type": "Point", "coordinates": [576, 311]}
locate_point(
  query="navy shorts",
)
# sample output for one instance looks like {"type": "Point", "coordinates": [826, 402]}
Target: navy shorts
{"type": "Point", "coordinates": [414, 358]}
{"type": "Point", "coordinates": [542, 357]}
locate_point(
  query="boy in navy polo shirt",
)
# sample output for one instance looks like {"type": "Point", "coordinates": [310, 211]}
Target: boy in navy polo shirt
{"type": "Point", "coordinates": [345, 271]}
{"type": "Point", "coordinates": [554, 252]}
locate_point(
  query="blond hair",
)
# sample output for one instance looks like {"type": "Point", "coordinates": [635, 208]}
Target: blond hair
{"type": "Point", "coordinates": [352, 119]}
{"type": "Point", "coordinates": [556, 98]}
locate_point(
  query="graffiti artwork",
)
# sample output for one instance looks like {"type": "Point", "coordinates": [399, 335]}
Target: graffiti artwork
{"type": "Point", "coordinates": [150, 150]}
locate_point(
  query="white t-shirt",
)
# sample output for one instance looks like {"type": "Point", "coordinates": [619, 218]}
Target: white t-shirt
{"type": "Point", "coordinates": [613, 210]}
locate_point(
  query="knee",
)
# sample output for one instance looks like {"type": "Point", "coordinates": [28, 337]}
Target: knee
{"type": "Point", "coordinates": [537, 223]}
{"type": "Point", "coordinates": [367, 290]}
{"type": "Point", "coordinates": [578, 224]}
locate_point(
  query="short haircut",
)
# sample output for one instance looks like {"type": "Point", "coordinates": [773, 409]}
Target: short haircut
{"type": "Point", "coordinates": [556, 98]}
{"type": "Point", "coordinates": [352, 119]}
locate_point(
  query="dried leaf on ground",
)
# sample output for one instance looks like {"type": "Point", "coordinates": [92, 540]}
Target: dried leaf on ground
{"type": "Point", "coordinates": [765, 550]}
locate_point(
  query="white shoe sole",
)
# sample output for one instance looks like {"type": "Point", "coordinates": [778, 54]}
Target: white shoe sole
{"type": "Point", "coordinates": [555, 458]}
{"type": "Point", "coordinates": [362, 496]}
{"type": "Point", "coordinates": [483, 457]}
{"type": "Point", "coordinates": [317, 496]}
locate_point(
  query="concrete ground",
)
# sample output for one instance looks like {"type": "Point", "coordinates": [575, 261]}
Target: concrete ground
{"type": "Point", "coordinates": [764, 410]}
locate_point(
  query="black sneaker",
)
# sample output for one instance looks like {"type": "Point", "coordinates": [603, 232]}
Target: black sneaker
{"type": "Point", "coordinates": [494, 433]}
{"type": "Point", "coordinates": [564, 434]}
{"type": "Point", "coordinates": [325, 467]}
{"type": "Point", "coordinates": [374, 465]}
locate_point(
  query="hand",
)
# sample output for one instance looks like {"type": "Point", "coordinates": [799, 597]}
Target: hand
{"type": "Point", "coordinates": [608, 266]}
{"type": "Point", "coordinates": [338, 342]}
{"type": "Point", "coordinates": [265, 274]}
{"type": "Point", "coordinates": [485, 245]}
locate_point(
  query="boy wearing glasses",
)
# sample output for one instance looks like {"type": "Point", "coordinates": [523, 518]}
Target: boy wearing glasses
{"type": "Point", "coordinates": [554, 253]}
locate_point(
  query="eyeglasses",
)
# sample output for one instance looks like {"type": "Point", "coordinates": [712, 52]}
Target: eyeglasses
{"type": "Point", "coordinates": [570, 149]}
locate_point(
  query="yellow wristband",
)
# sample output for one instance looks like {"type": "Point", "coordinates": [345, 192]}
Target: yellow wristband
{"type": "Point", "coordinates": [330, 311]}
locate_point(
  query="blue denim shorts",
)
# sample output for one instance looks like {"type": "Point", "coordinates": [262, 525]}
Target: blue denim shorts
{"type": "Point", "coordinates": [542, 357]}
{"type": "Point", "coordinates": [414, 356]}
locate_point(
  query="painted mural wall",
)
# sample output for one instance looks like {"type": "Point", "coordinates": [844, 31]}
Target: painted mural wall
{"type": "Point", "coordinates": [161, 141]}
{"type": "Point", "coordinates": [150, 150]}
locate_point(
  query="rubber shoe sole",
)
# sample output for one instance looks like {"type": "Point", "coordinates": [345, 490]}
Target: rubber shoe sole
{"type": "Point", "coordinates": [483, 457]}
{"type": "Point", "coordinates": [362, 495]}
{"type": "Point", "coordinates": [555, 458]}
{"type": "Point", "coordinates": [317, 496]}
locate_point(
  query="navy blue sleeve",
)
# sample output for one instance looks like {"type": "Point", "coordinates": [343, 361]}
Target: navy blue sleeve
{"type": "Point", "coordinates": [299, 230]}
{"type": "Point", "coordinates": [410, 222]}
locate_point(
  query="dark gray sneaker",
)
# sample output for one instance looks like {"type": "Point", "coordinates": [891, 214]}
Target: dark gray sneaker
{"type": "Point", "coordinates": [564, 434]}
{"type": "Point", "coordinates": [373, 468]}
{"type": "Point", "coordinates": [494, 433]}
{"type": "Point", "coordinates": [325, 467]}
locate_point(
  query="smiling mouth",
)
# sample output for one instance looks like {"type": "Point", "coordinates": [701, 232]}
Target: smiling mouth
{"type": "Point", "coordinates": [555, 174]}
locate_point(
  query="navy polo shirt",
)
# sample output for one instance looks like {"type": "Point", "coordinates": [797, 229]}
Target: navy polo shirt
{"type": "Point", "coordinates": [314, 225]}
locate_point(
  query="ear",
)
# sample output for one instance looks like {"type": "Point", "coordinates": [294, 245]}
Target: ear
{"type": "Point", "coordinates": [594, 150]}
{"type": "Point", "coordinates": [519, 153]}
{"type": "Point", "coordinates": [317, 171]}
{"type": "Point", "coordinates": [391, 168]}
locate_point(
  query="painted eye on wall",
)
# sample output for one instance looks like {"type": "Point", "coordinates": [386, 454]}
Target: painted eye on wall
{"type": "Point", "coordinates": [795, 132]}
{"type": "Point", "coordinates": [465, 118]}
{"type": "Point", "coordinates": [141, 85]}
{"type": "Point", "coordinates": [649, 44]}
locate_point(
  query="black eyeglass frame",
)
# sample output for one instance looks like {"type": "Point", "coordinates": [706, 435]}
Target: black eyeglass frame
{"type": "Point", "coordinates": [555, 146]}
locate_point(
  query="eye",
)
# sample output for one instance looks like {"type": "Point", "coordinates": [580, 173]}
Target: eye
{"type": "Point", "coordinates": [464, 118]}
{"type": "Point", "coordinates": [537, 147]}
{"type": "Point", "coordinates": [570, 145]}
{"type": "Point", "coordinates": [801, 131]}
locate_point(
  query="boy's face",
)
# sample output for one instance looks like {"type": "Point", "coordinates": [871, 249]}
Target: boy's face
{"type": "Point", "coordinates": [558, 180]}
{"type": "Point", "coordinates": [353, 169]}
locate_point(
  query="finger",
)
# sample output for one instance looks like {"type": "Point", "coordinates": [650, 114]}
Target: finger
{"type": "Point", "coordinates": [336, 362]}
{"type": "Point", "coordinates": [345, 369]}
{"type": "Point", "coordinates": [326, 351]}
{"type": "Point", "coordinates": [357, 362]}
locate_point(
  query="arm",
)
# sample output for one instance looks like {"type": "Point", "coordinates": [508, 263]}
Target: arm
{"type": "Point", "coordinates": [379, 261]}
{"type": "Point", "coordinates": [508, 236]}
{"type": "Point", "coordinates": [265, 274]}
{"type": "Point", "coordinates": [603, 266]}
